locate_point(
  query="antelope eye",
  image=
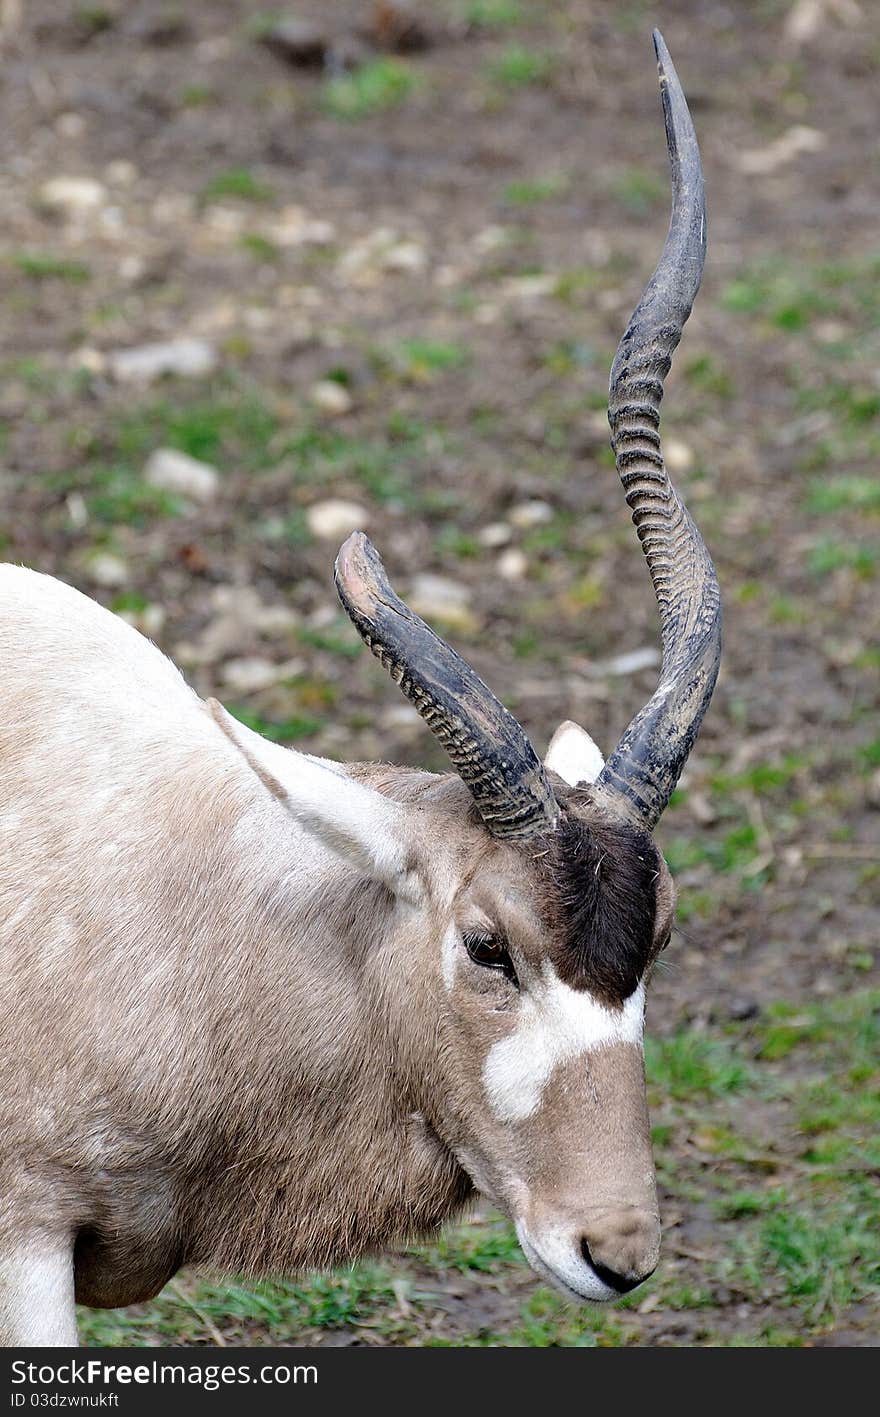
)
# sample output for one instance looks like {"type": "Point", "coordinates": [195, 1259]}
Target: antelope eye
{"type": "Point", "coordinates": [491, 953]}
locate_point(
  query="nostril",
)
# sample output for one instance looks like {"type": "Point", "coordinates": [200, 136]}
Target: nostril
{"type": "Point", "coordinates": [618, 1282]}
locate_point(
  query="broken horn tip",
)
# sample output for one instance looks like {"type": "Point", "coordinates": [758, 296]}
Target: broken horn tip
{"type": "Point", "coordinates": [355, 548]}
{"type": "Point", "coordinates": [351, 543]}
{"type": "Point", "coordinates": [664, 59]}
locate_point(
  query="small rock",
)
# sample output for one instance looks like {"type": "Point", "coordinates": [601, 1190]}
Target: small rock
{"type": "Point", "coordinates": [494, 535]}
{"type": "Point", "coordinates": [70, 125]}
{"type": "Point", "coordinates": [406, 257]}
{"type": "Point", "coordinates": [512, 564]}
{"type": "Point", "coordinates": [92, 360]}
{"type": "Point", "coordinates": [761, 162]}
{"type": "Point", "coordinates": [108, 570]}
{"type": "Point", "coordinates": [187, 357]}
{"type": "Point", "coordinates": [250, 674]}
{"type": "Point", "coordinates": [150, 620]}
{"type": "Point", "coordinates": [132, 268]}
{"type": "Point", "coordinates": [297, 42]}
{"type": "Point", "coordinates": [491, 238]}
{"type": "Point", "coordinates": [121, 173]}
{"type": "Point", "coordinates": [294, 227]}
{"type": "Point", "coordinates": [631, 663]}
{"type": "Point", "coordinates": [806, 18]}
{"type": "Point", "coordinates": [77, 510]}
{"type": "Point", "coordinates": [177, 472]}
{"type": "Point", "coordinates": [530, 287]}
{"type": "Point", "coordinates": [436, 598]}
{"type": "Point", "coordinates": [529, 514]}
{"type": "Point", "coordinates": [331, 397]}
{"type": "Point", "coordinates": [677, 456]}
{"type": "Point", "coordinates": [336, 518]}
{"type": "Point", "coordinates": [73, 195]}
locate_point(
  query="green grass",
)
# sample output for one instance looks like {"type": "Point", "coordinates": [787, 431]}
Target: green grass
{"type": "Point", "coordinates": [376, 87]}
{"type": "Point", "coordinates": [259, 247]}
{"type": "Point", "coordinates": [42, 265]}
{"type": "Point", "coordinates": [197, 96]}
{"type": "Point", "coordinates": [733, 852]}
{"type": "Point", "coordinates": [517, 67]}
{"type": "Point", "coordinates": [687, 1065]}
{"type": "Point", "coordinates": [233, 425]}
{"type": "Point", "coordinates": [762, 778]}
{"type": "Point", "coordinates": [118, 494]}
{"type": "Point", "coordinates": [829, 555]}
{"type": "Point", "coordinates": [484, 1248]}
{"type": "Point", "coordinates": [237, 183]}
{"type": "Point", "coordinates": [870, 754]}
{"type": "Point", "coordinates": [290, 730]}
{"type": "Point", "coordinates": [791, 295]}
{"type": "Point", "coordinates": [844, 493]}
{"type": "Point", "coordinates": [492, 14]}
{"type": "Point", "coordinates": [528, 193]}
{"type": "Point", "coordinates": [550, 1321]}
{"type": "Point", "coordinates": [706, 375]}
{"type": "Point", "coordinates": [189, 1310]}
{"type": "Point", "coordinates": [638, 190]}
{"type": "Point", "coordinates": [420, 360]}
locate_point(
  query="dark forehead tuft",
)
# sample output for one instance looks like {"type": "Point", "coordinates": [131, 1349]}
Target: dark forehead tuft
{"type": "Point", "coordinates": [599, 887]}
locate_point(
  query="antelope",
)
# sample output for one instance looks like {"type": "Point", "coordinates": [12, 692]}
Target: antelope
{"type": "Point", "coordinates": [265, 1012]}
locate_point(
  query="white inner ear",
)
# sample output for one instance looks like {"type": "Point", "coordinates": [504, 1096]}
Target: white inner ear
{"type": "Point", "coordinates": [574, 755]}
{"type": "Point", "coordinates": [358, 824]}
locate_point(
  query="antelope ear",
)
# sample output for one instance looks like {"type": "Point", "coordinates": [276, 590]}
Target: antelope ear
{"type": "Point", "coordinates": [573, 755]}
{"type": "Point", "coordinates": [358, 824]}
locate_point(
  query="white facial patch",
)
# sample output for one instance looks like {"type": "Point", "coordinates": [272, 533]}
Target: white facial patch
{"type": "Point", "coordinates": [556, 1024]}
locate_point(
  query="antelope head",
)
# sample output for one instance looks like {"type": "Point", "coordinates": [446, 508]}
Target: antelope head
{"type": "Point", "coordinates": [559, 902]}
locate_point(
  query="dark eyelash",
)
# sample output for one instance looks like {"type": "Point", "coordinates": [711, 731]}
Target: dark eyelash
{"type": "Point", "coordinates": [477, 944]}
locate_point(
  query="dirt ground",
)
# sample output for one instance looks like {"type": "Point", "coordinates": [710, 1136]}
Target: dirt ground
{"type": "Point", "coordinates": [409, 272]}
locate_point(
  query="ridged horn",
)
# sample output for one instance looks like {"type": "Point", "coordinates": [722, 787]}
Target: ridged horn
{"type": "Point", "coordinates": [488, 748]}
{"type": "Point", "coordinates": [639, 776]}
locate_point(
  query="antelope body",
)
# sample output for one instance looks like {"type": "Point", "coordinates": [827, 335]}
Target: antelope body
{"type": "Point", "coordinates": [265, 1012]}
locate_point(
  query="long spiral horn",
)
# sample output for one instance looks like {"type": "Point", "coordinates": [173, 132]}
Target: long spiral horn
{"type": "Point", "coordinates": [639, 776]}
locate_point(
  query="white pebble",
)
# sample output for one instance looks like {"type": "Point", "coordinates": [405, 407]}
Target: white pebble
{"type": "Point", "coordinates": [108, 570]}
{"type": "Point", "coordinates": [534, 513]}
{"type": "Point", "coordinates": [494, 535]}
{"type": "Point", "coordinates": [187, 357]}
{"type": "Point", "coordinates": [331, 397]}
{"type": "Point", "coordinates": [73, 195]}
{"type": "Point", "coordinates": [335, 518]}
{"type": "Point", "coordinates": [436, 598]}
{"type": "Point", "coordinates": [512, 564]}
{"type": "Point", "coordinates": [678, 456]}
{"type": "Point", "coordinates": [177, 472]}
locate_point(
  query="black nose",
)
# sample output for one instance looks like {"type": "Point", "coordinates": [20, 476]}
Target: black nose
{"type": "Point", "coordinates": [618, 1282]}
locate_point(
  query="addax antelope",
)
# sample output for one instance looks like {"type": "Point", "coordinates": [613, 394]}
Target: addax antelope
{"type": "Point", "coordinates": [265, 1012]}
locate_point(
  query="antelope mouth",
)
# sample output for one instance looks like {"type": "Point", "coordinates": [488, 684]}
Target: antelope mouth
{"type": "Point", "coordinates": [574, 1277]}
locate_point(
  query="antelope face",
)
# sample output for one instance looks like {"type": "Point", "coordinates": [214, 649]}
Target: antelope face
{"type": "Point", "coordinates": [544, 970]}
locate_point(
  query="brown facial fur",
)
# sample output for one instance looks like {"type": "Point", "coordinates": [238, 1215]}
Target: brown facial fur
{"type": "Point", "coordinates": [599, 891]}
